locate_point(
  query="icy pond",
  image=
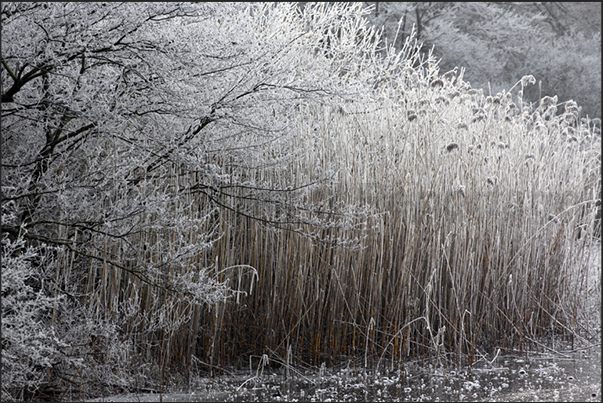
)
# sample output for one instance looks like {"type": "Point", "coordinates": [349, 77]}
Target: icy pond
{"type": "Point", "coordinates": [576, 378]}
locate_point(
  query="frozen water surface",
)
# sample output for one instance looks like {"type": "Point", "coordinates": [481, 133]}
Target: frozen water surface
{"type": "Point", "coordinates": [513, 379]}
{"type": "Point", "coordinates": [536, 377]}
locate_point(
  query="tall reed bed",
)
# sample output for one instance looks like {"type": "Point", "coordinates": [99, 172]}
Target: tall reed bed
{"type": "Point", "coordinates": [480, 214]}
{"type": "Point", "coordinates": [440, 223]}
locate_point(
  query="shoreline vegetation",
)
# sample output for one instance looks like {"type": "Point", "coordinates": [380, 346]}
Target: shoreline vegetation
{"type": "Point", "coordinates": [338, 200]}
{"type": "Point", "coordinates": [554, 370]}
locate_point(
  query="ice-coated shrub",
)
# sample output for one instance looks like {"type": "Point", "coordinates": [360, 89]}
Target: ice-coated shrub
{"type": "Point", "coordinates": [30, 344]}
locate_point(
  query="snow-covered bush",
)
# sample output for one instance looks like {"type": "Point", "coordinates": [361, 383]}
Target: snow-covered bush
{"type": "Point", "coordinates": [30, 345]}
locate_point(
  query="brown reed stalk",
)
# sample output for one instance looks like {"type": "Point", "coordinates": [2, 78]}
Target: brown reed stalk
{"type": "Point", "coordinates": [430, 235]}
{"type": "Point", "coordinates": [460, 246]}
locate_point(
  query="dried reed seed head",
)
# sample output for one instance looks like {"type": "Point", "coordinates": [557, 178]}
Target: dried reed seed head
{"type": "Point", "coordinates": [529, 79]}
{"type": "Point", "coordinates": [478, 118]}
{"type": "Point", "coordinates": [450, 74]}
{"type": "Point", "coordinates": [452, 146]}
{"type": "Point", "coordinates": [454, 94]}
{"type": "Point", "coordinates": [568, 131]}
{"type": "Point", "coordinates": [551, 111]}
{"type": "Point", "coordinates": [408, 70]}
{"type": "Point", "coordinates": [571, 106]}
{"type": "Point", "coordinates": [442, 100]}
{"type": "Point", "coordinates": [572, 112]}
{"type": "Point", "coordinates": [548, 101]}
{"type": "Point", "coordinates": [465, 98]}
{"type": "Point", "coordinates": [437, 83]}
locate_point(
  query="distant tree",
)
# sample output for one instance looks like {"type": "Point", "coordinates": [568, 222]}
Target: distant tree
{"type": "Point", "coordinates": [498, 43]}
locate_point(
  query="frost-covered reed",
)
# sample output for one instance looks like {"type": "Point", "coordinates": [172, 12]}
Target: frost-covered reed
{"type": "Point", "coordinates": [428, 221]}
{"type": "Point", "coordinates": [474, 232]}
